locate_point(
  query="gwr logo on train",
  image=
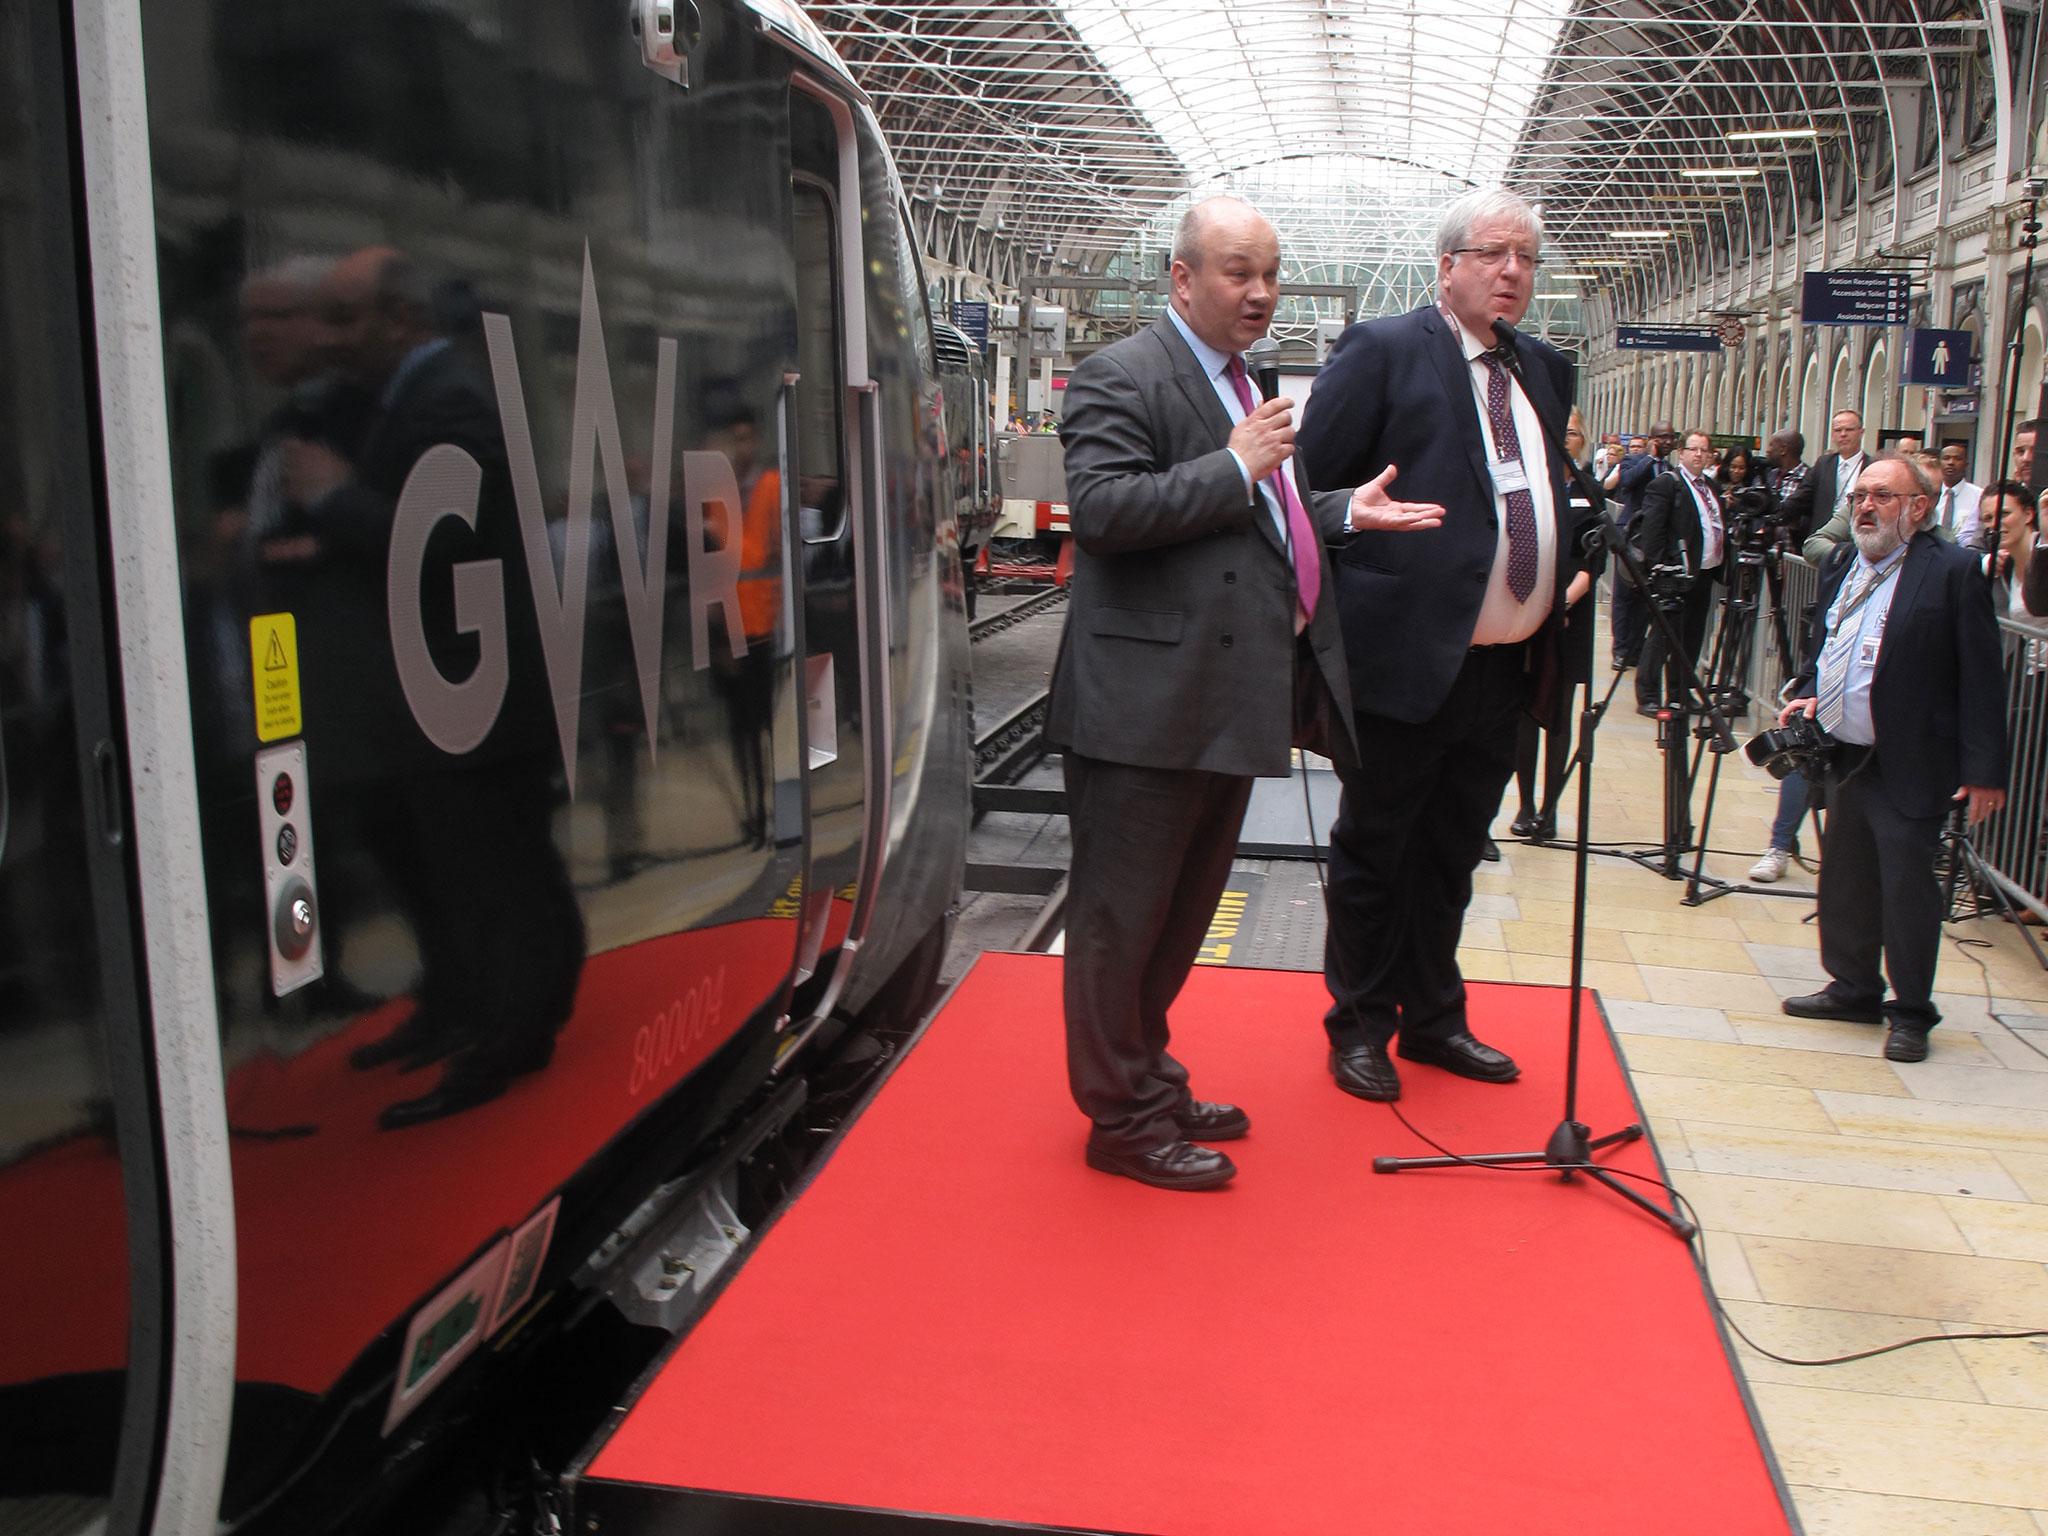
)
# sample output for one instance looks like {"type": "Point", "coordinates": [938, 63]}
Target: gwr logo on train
{"type": "Point", "coordinates": [447, 481]}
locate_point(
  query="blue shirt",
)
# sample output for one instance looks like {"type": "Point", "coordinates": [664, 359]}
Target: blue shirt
{"type": "Point", "coordinates": [1864, 638]}
{"type": "Point", "coordinates": [1217, 366]}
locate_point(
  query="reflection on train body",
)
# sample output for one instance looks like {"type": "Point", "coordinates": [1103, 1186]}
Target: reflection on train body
{"type": "Point", "coordinates": [536, 470]}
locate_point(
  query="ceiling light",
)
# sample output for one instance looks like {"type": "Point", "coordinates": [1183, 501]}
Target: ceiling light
{"type": "Point", "coordinates": [1762, 135]}
{"type": "Point", "coordinates": [1723, 172]}
{"type": "Point", "coordinates": [1575, 277]}
{"type": "Point", "coordinates": [1606, 261]}
{"type": "Point", "coordinates": [1639, 234]}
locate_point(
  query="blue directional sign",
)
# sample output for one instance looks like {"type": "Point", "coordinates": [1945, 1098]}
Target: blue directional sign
{"type": "Point", "coordinates": [1666, 338]}
{"type": "Point", "coordinates": [1939, 359]}
{"type": "Point", "coordinates": [972, 317]}
{"type": "Point", "coordinates": [1855, 298]}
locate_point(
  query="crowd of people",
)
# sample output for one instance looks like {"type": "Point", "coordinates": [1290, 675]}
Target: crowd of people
{"type": "Point", "coordinates": [1401, 583]}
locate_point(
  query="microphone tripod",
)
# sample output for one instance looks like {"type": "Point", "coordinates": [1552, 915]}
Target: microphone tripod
{"type": "Point", "coordinates": [1572, 1144]}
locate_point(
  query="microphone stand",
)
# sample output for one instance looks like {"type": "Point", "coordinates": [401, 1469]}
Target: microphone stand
{"type": "Point", "coordinates": [1572, 1144]}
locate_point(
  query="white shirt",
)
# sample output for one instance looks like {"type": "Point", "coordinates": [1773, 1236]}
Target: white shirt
{"type": "Point", "coordinates": [1502, 619]}
{"type": "Point", "coordinates": [1846, 471]}
{"type": "Point", "coordinates": [1867, 624]}
{"type": "Point", "coordinates": [1955, 508]}
{"type": "Point", "coordinates": [1711, 532]}
{"type": "Point", "coordinates": [1217, 366]}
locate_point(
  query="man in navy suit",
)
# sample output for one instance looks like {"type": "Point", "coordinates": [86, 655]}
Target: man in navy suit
{"type": "Point", "coordinates": [1903, 672]}
{"type": "Point", "coordinates": [1445, 629]}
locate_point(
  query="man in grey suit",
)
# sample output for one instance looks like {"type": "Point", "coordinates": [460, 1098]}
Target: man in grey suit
{"type": "Point", "coordinates": [1197, 651]}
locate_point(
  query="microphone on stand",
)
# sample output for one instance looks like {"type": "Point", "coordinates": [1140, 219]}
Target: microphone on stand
{"type": "Point", "coordinates": [1262, 362]}
{"type": "Point", "coordinates": [1505, 334]}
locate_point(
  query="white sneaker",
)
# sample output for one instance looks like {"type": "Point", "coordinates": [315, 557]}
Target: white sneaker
{"type": "Point", "coordinates": [1771, 866]}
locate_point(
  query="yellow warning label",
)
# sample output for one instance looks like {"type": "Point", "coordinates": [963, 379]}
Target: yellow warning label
{"type": "Point", "coordinates": [274, 668]}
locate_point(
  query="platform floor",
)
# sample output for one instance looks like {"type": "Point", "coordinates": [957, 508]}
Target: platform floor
{"type": "Point", "coordinates": [1849, 1201]}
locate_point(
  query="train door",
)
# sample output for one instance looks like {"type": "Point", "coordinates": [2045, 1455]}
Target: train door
{"type": "Point", "coordinates": [838, 557]}
{"type": "Point", "coordinates": [81, 1282]}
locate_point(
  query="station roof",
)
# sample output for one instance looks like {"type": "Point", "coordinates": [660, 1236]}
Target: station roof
{"type": "Point", "coordinates": [1641, 126]}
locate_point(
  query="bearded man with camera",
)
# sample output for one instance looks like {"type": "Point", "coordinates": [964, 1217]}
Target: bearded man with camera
{"type": "Point", "coordinates": [1902, 678]}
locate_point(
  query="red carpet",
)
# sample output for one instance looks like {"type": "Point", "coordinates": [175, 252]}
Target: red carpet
{"type": "Point", "coordinates": [959, 1317]}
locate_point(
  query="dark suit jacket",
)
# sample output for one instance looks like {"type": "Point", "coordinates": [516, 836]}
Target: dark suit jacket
{"type": "Point", "coordinates": [1668, 526]}
{"type": "Point", "coordinates": [1398, 391]}
{"type": "Point", "coordinates": [1179, 650]}
{"type": "Point", "coordinates": [1809, 508]}
{"type": "Point", "coordinates": [1937, 701]}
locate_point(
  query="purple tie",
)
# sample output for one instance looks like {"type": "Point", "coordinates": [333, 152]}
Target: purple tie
{"type": "Point", "coordinates": [1308, 569]}
{"type": "Point", "coordinates": [1521, 510]}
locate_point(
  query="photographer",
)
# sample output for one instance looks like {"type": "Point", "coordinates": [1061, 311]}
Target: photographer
{"type": "Point", "coordinates": [1902, 674]}
{"type": "Point", "coordinates": [1681, 541]}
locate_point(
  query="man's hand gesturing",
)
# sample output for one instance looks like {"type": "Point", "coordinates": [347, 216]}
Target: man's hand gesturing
{"type": "Point", "coordinates": [1372, 507]}
{"type": "Point", "coordinates": [1265, 439]}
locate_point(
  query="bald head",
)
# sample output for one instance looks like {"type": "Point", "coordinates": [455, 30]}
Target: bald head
{"type": "Point", "coordinates": [1226, 272]}
{"type": "Point", "coordinates": [376, 305]}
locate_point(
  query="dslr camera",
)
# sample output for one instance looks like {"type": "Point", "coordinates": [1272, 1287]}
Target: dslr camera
{"type": "Point", "coordinates": [1797, 746]}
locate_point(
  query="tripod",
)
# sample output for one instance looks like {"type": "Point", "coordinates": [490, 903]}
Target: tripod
{"type": "Point", "coordinates": [1959, 852]}
{"type": "Point", "coordinates": [1729, 693]}
{"type": "Point", "coordinates": [1572, 1144]}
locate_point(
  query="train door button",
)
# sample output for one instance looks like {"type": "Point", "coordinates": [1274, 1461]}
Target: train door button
{"type": "Point", "coordinates": [287, 843]}
{"type": "Point", "coordinates": [282, 793]}
{"type": "Point", "coordinates": [295, 920]}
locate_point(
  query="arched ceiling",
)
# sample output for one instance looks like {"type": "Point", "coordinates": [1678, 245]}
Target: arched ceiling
{"type": "Point", "coordinates": [1724, 124]}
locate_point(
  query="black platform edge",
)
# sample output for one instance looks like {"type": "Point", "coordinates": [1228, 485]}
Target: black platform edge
{"type": "Point", "coordinates": [1756, 1418]}
{"type": "Point", "coordinates": [576, 1476]}
{"type": "Point", "coordinates": [643, 1509]}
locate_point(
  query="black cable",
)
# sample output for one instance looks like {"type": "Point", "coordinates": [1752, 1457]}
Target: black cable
{"type": "Point", "coordinates": [1966, 945]}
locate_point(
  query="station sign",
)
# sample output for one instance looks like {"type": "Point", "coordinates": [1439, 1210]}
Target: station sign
{"type": "Point", "coordinates": [1938, 359]}
{"type": "Point", "coordinates": [1667, 338]}
{"type": "Point", "coordinates": [972, 317]}
{"type": "Point", "coordinates": [1855, 298]}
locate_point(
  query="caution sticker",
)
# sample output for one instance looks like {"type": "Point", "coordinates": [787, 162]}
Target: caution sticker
{"type": "Point", "coordinates": [274, 669]}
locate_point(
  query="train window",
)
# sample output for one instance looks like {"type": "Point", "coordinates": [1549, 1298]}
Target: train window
{"type": "Point", "coordinates": [917, 313]}
{"type": "Point", "coordinates": [819, 391]}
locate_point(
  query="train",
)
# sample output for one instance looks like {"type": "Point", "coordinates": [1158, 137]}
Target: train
{"type": "Point", "coordinates": [484, 723]}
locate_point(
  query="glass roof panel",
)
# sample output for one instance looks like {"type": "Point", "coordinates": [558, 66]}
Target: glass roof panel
{"type": "Point", "coordinates": [1444, 85]}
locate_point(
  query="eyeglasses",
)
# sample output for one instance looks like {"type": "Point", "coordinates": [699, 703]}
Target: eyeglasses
{"type": "Point", "coordinates": [1497, 255]}
{"type": "Point", "coordinates": [1877, 498]}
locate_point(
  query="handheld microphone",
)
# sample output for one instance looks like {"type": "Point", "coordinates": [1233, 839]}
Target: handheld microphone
{"type": "Point", "coordinates": [1262, 362]}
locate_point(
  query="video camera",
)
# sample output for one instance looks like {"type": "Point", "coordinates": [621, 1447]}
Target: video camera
{"type": "Point", "coordinates": [1797, 746]}
{"type": "Point", "coordinates": [1754, 523]}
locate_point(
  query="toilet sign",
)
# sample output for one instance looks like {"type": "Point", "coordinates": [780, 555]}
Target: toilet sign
{"type": "Point", "coordinates": [1938, 359]}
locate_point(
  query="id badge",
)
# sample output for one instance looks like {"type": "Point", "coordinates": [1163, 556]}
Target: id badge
{"type": "Point", "coordinates": [1509, 476]}
{"type": "Point", "coordinates": [1866, 651]}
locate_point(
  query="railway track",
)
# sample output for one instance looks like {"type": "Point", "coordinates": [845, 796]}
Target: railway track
{"type": "Point", "coordinates": [1014, 615]}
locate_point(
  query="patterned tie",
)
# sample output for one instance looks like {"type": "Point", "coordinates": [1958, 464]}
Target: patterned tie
{"type": "Point", "coordinates": [1308, 569]}
{"type": "Point", "coordinates": [1946, 517]}
{"type": "Point", "coordinates": [1834, 657]}
{"type": "Point", "coordinates": [1521, 510]}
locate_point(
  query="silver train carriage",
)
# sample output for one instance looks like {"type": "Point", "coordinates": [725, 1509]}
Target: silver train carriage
{"type": "Point", "coordinates": [483, 717]}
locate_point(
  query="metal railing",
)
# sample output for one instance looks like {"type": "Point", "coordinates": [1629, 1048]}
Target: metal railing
{"type": "Point", "coordinates": [2013, 843]}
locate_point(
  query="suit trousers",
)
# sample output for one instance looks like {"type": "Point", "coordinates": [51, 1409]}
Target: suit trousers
{"type": "Point", "coordinates": [1152, 852]}
{"type": "Point", "coordinates": [1409, 830]}
{"type": "Point", "coordinates": [1630, 617]}
{"type": "Point", "coordinates": [1878, 895]}
{"type": "Point", "coordinates": [1661, 677]}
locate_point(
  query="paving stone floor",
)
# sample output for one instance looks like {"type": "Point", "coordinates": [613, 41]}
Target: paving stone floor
{"type": "Point", "coordinates": [1847, 1201]}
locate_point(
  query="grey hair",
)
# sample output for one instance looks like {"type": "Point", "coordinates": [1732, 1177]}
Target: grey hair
{"type": "Point", "coordinates": [1483, 205]}
{"type": "Point", "coordinates": [302, 275]}
{"type": "Point", "coordinates": [1922, 482]}
{"type": "Point", "coordinates": [1194, 225]}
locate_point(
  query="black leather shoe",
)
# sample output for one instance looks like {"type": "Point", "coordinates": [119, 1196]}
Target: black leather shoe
{"type": "Point", "coordinates": [1546, 830]}
{"type": "Point", "coordinates": [1461, 1055]}
{"type": "Point", "coordinates": [1649, 711]}
{"type": "Point", "coordinates": [1177, 1165]}
{"type": "Point", "coordinates": [471, 1079]}
{"type": "Point", "coordinates": [1489, 852]}
{"type": "Point", "coordinates": [416, 1042]}
{"type": "Point", "coordinates": [1199, 1120]}
{"type": "Point", "coordinates": [1824, 1004]}
{"type": "Point", "coordinates": [1906, 1042]}
{"type": "Point", "coordinates": [1524, 825]}
{"type": "Point", "coordinates": [1366, 1072]}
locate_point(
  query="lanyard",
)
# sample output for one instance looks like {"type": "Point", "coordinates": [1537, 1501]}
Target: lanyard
{"type": "Point", "coordinates": [1869, 589]}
